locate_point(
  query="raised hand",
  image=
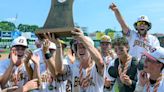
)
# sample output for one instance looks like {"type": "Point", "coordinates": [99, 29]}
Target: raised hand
{"type": "Point", "coordinates": [31, 85]}
{"type": "Point", "coordinates": [113, 7]}
{"type": "Point", "coordinates": [35, 59]}
{"type": "Point", "coordinates": [13, 56]}
{"type": "Point", "coordinates": [143, 78]}
{"type": "Point", "coordinates": [27, 55]}
{"type": "Point", "coordinates": [70, 55]}
{"type": "Point", "coordinates": [46, 45]}
{"type": "Point", "coordinates": [53, 38]}
{"type": "Point", "coordinates": [77, 32]}
{"type": "Point", "coordinates": [125, 79]}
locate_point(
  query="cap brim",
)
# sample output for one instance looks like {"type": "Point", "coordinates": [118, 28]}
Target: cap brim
{"type": "Point", "coordinates": [149, 56]}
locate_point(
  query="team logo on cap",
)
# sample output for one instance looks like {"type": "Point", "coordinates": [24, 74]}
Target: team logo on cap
{"type": "Point", "coordinates": [21, 40]}
{"type": "Point", "coordinates": [153, 50]}
{"type": "Point", "coordinates": [142, 17]}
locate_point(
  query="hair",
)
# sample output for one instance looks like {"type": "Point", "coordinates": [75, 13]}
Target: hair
{"type": "Point", "coordinates": [120, 41]}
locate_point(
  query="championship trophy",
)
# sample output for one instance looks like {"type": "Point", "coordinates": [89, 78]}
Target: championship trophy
{"type": "Point", "coordinates": [59, 21]}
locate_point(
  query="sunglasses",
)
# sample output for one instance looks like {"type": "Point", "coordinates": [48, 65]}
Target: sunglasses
{"type": "Point", "coordinates": [141, 23]}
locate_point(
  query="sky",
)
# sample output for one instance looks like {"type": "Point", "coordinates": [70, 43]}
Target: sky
{"type": "Point", "coordinates": [93, 14]}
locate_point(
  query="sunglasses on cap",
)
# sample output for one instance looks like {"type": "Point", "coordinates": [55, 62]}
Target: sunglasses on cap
{"type": "Point", "coordinates": [141, 23]}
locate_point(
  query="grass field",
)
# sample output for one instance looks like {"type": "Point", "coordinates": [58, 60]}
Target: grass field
{"type": "Point", "coordinates": [4, 55]}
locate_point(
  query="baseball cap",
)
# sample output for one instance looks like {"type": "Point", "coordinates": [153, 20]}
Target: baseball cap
{"type": "Point", "coordinates": [105, 38]}
{"type": "Point", "coordinates": [52, 45]}
{"type": "Point", "coordinates": [143, 18]}
{"type": "Point", "coordinates": [156, 54]}
{"type": "Point", "coordinates": [88, 38]}
{"type": "Point", "coordinates": [21, 40]}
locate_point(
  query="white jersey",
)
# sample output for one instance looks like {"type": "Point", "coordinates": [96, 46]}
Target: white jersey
{"type": "Point", "coordinates": [96, 81]}
{"type": "Point", "coordinates": [143, 89]}
{"type": "Point", "coordinates": [138, 45]}
{"type": "Point", "coordinates": [49, 84]}
{"type": "Point", "coordinates": [19, 75]}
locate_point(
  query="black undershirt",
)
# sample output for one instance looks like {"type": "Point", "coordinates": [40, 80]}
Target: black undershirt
{"type": "Point", "coordinates": [152, 82]}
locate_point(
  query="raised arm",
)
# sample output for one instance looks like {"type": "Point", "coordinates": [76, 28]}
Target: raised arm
{"type": "Point", "coordinates": [96, 56]}
{"type": "Point", "coordinates": [120, 19]}
{"type": "Point", "coordinates": [49, 58]}
{"type": "Point", "coordinates": [5, 77]}
{"type": "Point", "coordinates": [26, 59]}
{"type": "Point", "coordinates": [58, 62]}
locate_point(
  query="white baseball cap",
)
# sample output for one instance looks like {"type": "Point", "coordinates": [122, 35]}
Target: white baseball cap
{"type": "Point", "coordinates": [143, 18]}
{"type": "Point", "coordinates": [21, 40]}
{"type": "Point", "coordinates": [52, 45]}
{"type": "Point", "coordinates": [156, 54]}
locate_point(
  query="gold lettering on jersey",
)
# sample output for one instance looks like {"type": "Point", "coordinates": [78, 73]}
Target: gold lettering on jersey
{"type": "Point", "coordinates": [90, 82]}
{"type": "Point", "coordinates": [76, 81]}
{"type": "Point", "coordinates": [142, 44]}
{"type": "Point", "coordinates": [68, 86]}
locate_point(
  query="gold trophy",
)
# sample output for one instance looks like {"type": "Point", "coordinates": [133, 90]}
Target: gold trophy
{"type": "Point", "coordinates": [59, 21]}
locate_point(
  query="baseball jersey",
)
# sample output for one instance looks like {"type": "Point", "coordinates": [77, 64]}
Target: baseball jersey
{"type": "Point", "coordinates": [48, 83]}
{"type": "Point", "coordinates": [95, 80]}
{"type": "Point", "coordinates": [19, 75]}
{"type": "Point", "coordinates": [143, 89]}
{"type": "Point", "coordinates": [139, 45]}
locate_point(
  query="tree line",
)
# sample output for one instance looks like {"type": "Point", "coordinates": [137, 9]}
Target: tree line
{"type": "Point", "coordinates": [9, 26]}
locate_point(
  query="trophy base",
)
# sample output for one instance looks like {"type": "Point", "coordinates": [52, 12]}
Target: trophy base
{"type": "Point", "coordinates": [59, 32]}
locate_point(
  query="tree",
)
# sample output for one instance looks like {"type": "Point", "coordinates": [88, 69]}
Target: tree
{"type": "Point", "coordinates": [27, 28]}
{"type": "Point", "coordinates": [7, 26]}
{"type": "Point", "coordinates": [110, 32]}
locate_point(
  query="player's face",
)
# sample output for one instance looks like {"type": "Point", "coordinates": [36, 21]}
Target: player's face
{"type": "Point", "coordinates": [121, 51]}
{"type": "Point", "coordinates": [20, 51]}
{"type": "Point", "coordinates": [150, 65]}
{"type": "Point", "coordinates": [142, 27]}
{"type": "Point", "coordinates": [105, 45]}
{"type": "Point", "coordinates": [82, 51]}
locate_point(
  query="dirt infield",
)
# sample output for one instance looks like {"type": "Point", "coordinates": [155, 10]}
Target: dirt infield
{"type": "Point", "coordinates": [3, 56]}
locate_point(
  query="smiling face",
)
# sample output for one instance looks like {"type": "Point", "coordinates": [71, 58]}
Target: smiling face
{"type": "Point", "coordinates": [121, 51]}
{"type": "Point", "coordinates": [20, 53]}
{"type": "Point", "coordinates": [151, 66]}
{"type": "Point", "coordinates": [105, 46]}
{"type": "Point", "coordinates": [82, 52]}
{"type": "Point", "coordinates": [142, 27]}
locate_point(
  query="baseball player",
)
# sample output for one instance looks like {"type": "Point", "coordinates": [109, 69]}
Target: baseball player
{"type": "Point", "coordinates": [151, 78]}
{"type": "Point", "coordinates": [139, 40]}
{"type": "Point", "coordinates": [13, 70]}
{"type": "Point", "coordinates": [87, 73]}
{"type": "Point", "coordinates": [50, 81]}
{"type": "Point", "coordinates": [108, 56]}
{"type": "Point", "coordinates": [123, 70]}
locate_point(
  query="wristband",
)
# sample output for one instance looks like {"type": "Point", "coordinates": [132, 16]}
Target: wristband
{"type": "Point", "coordinates": [48, 55]}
